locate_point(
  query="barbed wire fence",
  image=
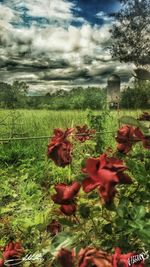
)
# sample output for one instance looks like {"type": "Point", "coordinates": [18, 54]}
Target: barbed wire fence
{"type": "Point", "coordinates": [48, 137]}
{"type": "Point", "coordinates": [13, 135]}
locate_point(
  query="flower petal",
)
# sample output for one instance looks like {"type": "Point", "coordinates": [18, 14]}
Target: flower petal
{"type": "Point", "coordinates": [89, 184]}
{"type": "Point", "coordinates": [68, 209]}
{"type": "Point", "coordinates": [92, 165]}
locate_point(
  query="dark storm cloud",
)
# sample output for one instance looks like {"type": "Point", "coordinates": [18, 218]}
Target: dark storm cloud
{"type": "Point", "coordinates": [71, 75]}
{"type": "Point", "coordinates": [12, 65]}
{"type": "Point", "coordinates": [57, 43]}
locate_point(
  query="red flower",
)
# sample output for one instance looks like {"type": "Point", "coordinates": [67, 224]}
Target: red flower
{"type": "Point", "coordinates": [83, 133]}
{"type": "Point", "coordinates": [13, 250]}
{"type": "Point", "coordinates": [1, 262]}
{"type": "Point", "coordinates": [105, 173]}
{"type": "Point", "coordinates": [94, 257]}
{"type": "Point", "coordinates": [54, 227]}
{"type": "Point", "coordinates": [145, 116]}
{"type": "Point", "coordinates": [126, 137]}
{"type": "Point", "coordinates": [65, 258]}
{"type": "Point", "coordinates": [59, 148]}
{"type": "Point", "coordinates": [68, 209]}
{"type": "Point", "coordinates": [65, 197]}
{"type": "Point", "coordinates": [126, 260]}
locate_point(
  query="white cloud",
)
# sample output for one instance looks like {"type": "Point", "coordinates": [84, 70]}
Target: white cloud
{"type": "Point", "coordinates": [105, 17]}
{"type": "Point", "coordinates": [67, 55]}
{"type": "Point", "coordinates": [50, 9]}
{"type": "Point", "coordinates": [7, 15]}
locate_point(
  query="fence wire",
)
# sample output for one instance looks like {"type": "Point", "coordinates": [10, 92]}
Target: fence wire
{"type": "Point", "coordinates": [48, 137]}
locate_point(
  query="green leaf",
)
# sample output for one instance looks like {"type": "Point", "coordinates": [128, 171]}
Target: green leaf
{"type": "Point", "coordinates": [110, 206]}
{"type": "Point", "coordinates": [84, 211]}
{"type": "Point", "coordinates": [61, 240]}
{"type": "Point", "coordinates": [132, 121]}
{"type": "Point", "coordinates": [107, 228]}
{"type": "Point", "coordinates": [65, 221]}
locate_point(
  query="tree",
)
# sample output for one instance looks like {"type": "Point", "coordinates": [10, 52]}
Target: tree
{"type": "Point", "coordinates": [131, 33]}
{"type": "Point", "coordinates": [136, 96]}
{"type": "Point", "coordinates": [13, 96]}
{"type": "Point", "coordinates": [4, 94]}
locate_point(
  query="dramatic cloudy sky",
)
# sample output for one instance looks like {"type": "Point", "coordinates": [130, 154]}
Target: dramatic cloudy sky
{"type": "Point", "coordinates": [57, 44]}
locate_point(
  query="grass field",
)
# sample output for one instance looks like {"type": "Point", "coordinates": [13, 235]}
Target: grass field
{"type": "Point", "coordinates": [36, 123]}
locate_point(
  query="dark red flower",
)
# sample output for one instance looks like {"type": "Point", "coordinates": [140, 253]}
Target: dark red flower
{"type": "Point", "coordinates": [126, 137]}
{"type": "Point", "coordinates": [105, 173]}
{"type": "Point", "coordinates": [11, 251]}
{"type": "Point", "coordinates": [126, 260]}
{"type": "Point", "coordinates": [94, 257]}
{"type": "Point", "coordinates": [145, 116]}
{"type": "Point", "coordinates": [1, 262]}
{"type": "Point", "coordinates": [68, 209]}
{"type": "Point", "coordinates": [54, 227]}
{"type": "Point", "coordinates": [66, 258]}
{"type": "Point", "coordinates": [83, 133]}
{"type": "Point", "coordinates": [59, 148]}
{"type": "Point", "coordinates": [65, 197]}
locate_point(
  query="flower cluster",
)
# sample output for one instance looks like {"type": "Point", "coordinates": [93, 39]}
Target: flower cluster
{"type": "Point", "coordinates": [83, 133]}
{"type": "Point", "coordinates": [11, 251]}
{"type": "Point", "coordinates": [54, 227]}
{"type": "Point", "coordinates": [105, 173]}
{"type": "Point", "coordinates": [65, 195]}
{"type": "Point", "coordinates": [127, 136]}
{"type": "Point", "coordinates": [123, 260]}
{"type": "Point", "coordinates": [60, 148]}
{"type": "Point", "coordinates": [90, 256]}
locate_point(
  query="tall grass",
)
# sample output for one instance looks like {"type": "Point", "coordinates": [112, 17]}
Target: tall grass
{"type": "Point", "coordinates": [28, 123]}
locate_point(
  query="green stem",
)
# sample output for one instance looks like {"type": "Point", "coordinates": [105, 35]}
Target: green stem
{"type": "Point", "coordinates": [83, 229]}
{"type": "Point", "coordinates": [95, 226]}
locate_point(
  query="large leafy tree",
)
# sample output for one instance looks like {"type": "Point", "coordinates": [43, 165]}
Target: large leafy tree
{"type": "Point", "coordinates": [131, 33]}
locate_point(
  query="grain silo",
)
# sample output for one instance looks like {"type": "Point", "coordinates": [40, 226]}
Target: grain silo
{"type": "Point", "coordinates": [113, 90]}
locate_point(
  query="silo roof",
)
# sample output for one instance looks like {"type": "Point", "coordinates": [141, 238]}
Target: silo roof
{"type": "Point", "coordinates": [114, 78]}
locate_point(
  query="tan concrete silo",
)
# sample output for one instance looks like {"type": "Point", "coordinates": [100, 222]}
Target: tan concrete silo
{"type": "Point", "coordinates": [113, 90]}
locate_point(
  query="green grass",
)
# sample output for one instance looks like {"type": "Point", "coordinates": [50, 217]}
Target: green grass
{"type": "Point", "coordinates": [36, 123]}
{"type": "Point", "coordinates": [42, 122]}
{"type": "Point", "coordinates": [39, 122]}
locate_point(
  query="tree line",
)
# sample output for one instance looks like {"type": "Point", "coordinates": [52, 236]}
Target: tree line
{"type": "Point", "coordinates": [17, 96]}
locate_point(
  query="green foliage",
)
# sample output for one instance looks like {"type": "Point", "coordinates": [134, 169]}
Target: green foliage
{"type": "Point", "coordinates": [137, 96]}
{"type": "Point", "coordinates": [98, 122]}
{"type": "Point", "coordinates": [130, 33]}
{"type": "Point", "coordinates": [78, 98]}
{"type": "Point", "coordinates": [13, 96]}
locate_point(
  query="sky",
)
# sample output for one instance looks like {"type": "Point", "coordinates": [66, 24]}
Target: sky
{"type": "Point", "coordinates": [58, 44]}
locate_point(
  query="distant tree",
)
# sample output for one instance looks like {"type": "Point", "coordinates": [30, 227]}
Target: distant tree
{"type": "Point", "coordinates": [136, 96]}
{"type": "Point", "coordinates": [47, 94]}
{"type": "Point", "coordinates": [13, 96]}
{"type": "Point", "coordinates": [19, 93]}
{"type": "Point", "coordinates": [131, 33]}
{"type": "Point", "coordinates": [5, 96]}
{"type": "Point", "coordinates": [95, 98]}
